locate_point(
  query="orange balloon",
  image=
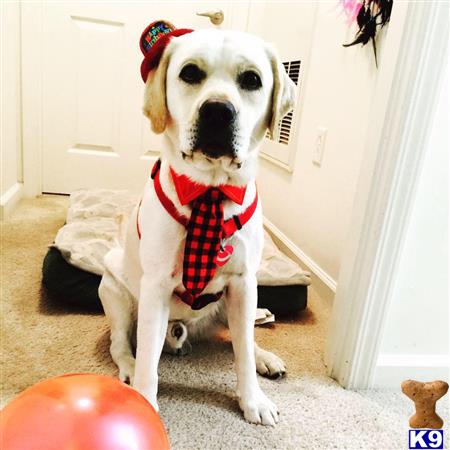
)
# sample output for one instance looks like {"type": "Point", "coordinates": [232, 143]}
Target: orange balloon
{"type": "Point", "coordinates": [81, 412]}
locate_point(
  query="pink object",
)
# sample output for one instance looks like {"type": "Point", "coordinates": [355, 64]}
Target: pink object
{"type": "Point", "coordinates": [351, 9]}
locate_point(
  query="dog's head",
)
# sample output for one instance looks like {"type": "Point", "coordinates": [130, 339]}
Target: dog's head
{"type": "Point", "coordinates": [215, 93]}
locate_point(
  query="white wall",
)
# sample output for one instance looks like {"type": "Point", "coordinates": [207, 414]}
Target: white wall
{"type": "Point", "coordinates": [312, 206]}
{"type": "Point", "coordinates": [416, 335]}
{"type": "Point", "coordinates": [10, 187]}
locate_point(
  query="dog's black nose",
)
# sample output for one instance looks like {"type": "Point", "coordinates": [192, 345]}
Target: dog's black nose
{"type": "Point", "coordinates": [218, 112]}
{"type": "Point", "coordinates": [216, 128]}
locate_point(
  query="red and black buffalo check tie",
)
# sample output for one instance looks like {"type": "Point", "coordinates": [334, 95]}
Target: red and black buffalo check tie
{"type": "Point", "coordinates": [203, 240]}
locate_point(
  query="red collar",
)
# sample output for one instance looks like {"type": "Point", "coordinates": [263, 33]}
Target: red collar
{"type": "Point", "coordinates": [188, 190]}
{"type": "Point", "coordinates": [230, 226]}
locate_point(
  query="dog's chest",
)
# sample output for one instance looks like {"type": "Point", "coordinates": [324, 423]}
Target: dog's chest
{"type": "Point", "coordinates": [218, 284]}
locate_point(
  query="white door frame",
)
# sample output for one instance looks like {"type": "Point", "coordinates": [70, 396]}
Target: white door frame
{"type": "Point", "coordinates": [393, 159]}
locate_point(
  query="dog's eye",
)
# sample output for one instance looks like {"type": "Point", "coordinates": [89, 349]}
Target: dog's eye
{"type": "Point", "coordinates": [192, 74]}
{"type": "Point", "coordinates": [249, 80]}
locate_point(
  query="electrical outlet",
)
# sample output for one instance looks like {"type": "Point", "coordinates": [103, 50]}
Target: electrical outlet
{"type": "Point", "coordinates": [320, 146]}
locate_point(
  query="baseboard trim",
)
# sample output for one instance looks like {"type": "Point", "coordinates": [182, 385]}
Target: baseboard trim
{"type": "Point", "coordinates": [9, 200]}
{"type": "Point", "coordinates": [324, 284]}
{"type": "Point", "coordinates": [392, 369]}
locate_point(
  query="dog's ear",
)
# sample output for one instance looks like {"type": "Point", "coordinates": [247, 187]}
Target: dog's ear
{"type": "Point", "coordinates": [155, 105]}
{"type": "Point", "coordinates": [284, 90]}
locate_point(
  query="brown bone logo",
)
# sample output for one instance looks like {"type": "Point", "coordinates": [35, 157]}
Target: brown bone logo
{"type": "Point", "coordinates": [425, 396]}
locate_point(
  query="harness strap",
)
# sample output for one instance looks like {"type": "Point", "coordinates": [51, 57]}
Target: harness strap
{"type": "Point", "coordinates": [235, 223]}
{"type": "Point", "coordinates": [166, 202]}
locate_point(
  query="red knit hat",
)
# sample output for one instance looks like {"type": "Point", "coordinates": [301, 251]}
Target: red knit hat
{"type": "Point", "coordinates": [154, 40]}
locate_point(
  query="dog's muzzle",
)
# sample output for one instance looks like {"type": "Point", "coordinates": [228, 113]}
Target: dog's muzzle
{"type": "Point", "coordinates": [215, 130]}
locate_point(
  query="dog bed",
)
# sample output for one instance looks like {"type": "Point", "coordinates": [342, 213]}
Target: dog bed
{"type": "Point", "coordinates": [96, 218]}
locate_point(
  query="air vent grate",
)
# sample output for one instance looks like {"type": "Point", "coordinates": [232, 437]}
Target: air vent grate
{"type": "Point", "coordinates": [284, 129]}
{"type": "Point", "coordinates": [293, 70]}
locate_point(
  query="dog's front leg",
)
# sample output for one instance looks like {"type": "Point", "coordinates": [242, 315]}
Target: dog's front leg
{"type": "Point", "coordinates": [241, 301]}
{"type": "Point", "coordinates": [153, 316]}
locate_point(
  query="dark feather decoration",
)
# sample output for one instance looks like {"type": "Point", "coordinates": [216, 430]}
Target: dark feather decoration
{"type": "Point", "coordinates": [372, 16]}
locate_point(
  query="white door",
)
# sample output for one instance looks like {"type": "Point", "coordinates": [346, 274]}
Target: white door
{"type": "Point", "coordinates": [93, 130]}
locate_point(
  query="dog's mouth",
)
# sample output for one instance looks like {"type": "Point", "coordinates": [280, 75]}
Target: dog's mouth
{"type": "Point", "coordinates": [215, 147]}
{"type": "Point", "coordinates": [202, 160]}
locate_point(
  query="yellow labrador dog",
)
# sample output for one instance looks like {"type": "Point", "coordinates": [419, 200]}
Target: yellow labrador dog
{"type": "Point", "coordinates": [213, 94]}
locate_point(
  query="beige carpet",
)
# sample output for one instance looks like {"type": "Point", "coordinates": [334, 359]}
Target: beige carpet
{"type": "Point", "coordinates": [40, 340]}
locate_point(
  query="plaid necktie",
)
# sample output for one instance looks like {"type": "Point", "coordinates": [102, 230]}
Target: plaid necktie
{"type": "Point", "coordinates": [203, 241]}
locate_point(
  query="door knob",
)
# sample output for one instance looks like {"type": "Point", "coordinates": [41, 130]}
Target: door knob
{"type": "Point", "coordinates": [216, 17]}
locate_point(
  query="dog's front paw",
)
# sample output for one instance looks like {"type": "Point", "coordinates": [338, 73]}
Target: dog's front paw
{"type": "Point", "coordinates": [126, 369]}
{"type": "Point", "coordinates": [151, 398]}
{"type": "Point", "coordinates": [269, 365]}
{"type": "Point", "coordinates": [258, 408]}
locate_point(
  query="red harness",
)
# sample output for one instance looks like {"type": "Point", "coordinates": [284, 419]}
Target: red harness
{"type": "Point", "coordinates": [230, 226]}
